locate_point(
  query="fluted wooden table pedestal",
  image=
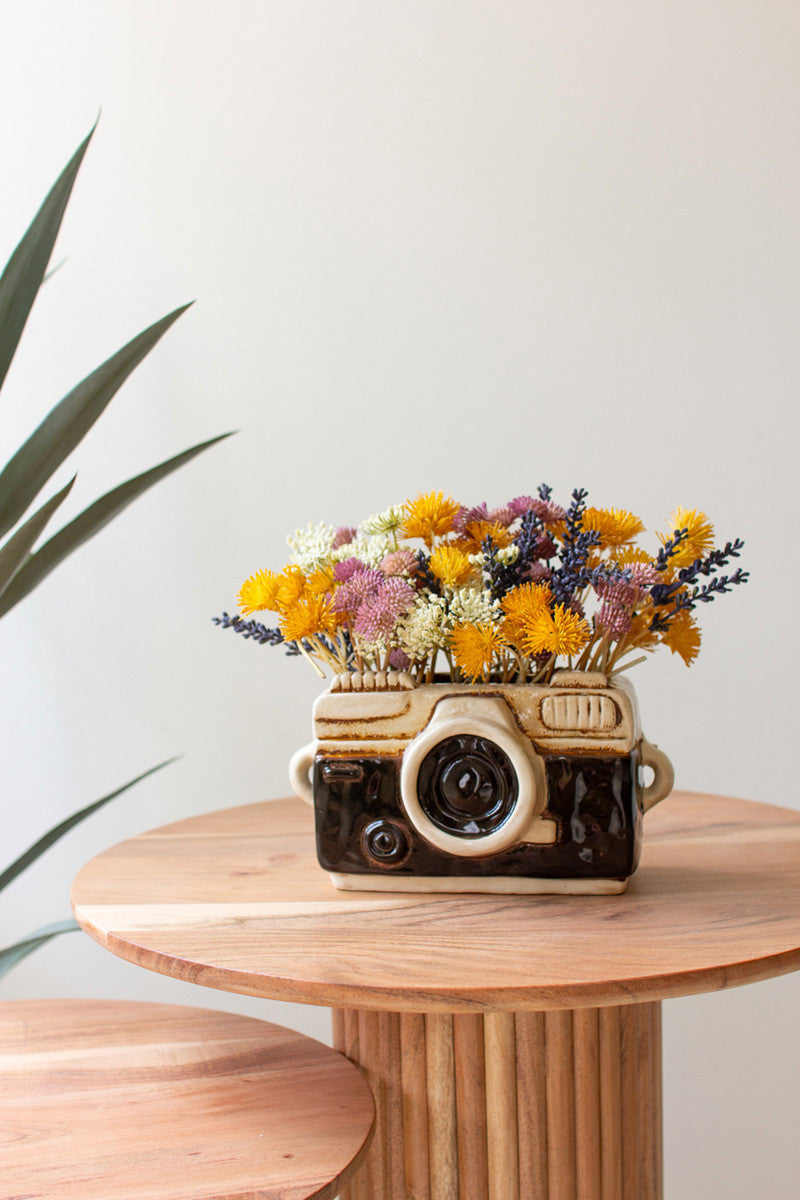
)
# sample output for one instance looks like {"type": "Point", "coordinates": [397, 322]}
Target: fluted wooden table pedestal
{"type": "Point", "coordinates": [561, 1105]}
{"type": "Point", "coordinates": [513, 1043]}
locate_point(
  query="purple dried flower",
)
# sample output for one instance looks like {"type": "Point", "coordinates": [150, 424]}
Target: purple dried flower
{"type": "Point", "coordinates": [399, 562]}
{"type": "Point", "coordinates": [539, 573]}
{"type": "Point", "coordinates": [343, 536]}
{"type": "Point", "coordinates": [380, 611]}
{"type": "Point", "coordinates": [548, 512]}
{"type": "Point", "coordinates": [345, 569]}
{"type": "Point", "coordinates": [612, 619]}
{"type": "Point", "coordinates": [361, 585]}
{"type": "Point", "coordinates": [478, 512]}
{"type": "Point", "coordinates": [520, 505]}
{"type": "Point", "coordinates": [399, 660]}
{"type": "Point", "coordinates": [617, 591]}
{"type": "Point", "coordinates": [643, 575]}
{"type": "Point", "coordinates": [504, 515]}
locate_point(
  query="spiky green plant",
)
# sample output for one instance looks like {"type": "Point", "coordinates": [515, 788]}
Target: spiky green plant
{"type": "Point", "coordinates": [25, 561]}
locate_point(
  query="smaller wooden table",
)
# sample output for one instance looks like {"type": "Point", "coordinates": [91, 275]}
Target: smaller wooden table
{"type": "Point", "coordinates": [107, 1100]}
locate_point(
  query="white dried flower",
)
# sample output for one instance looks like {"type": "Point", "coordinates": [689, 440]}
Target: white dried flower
{"type": "Point", "coordinates": [385, 522]}
{"type": "Point", "coordinates": [475, 607]}
{"type": "Point", "coordinates": [508, 554]}
{"type": "Point", "coordinates": [371, 550]}
{"type": "Point", "coordinates": [312, 545]}
{"type": "Point", "coordinates": [424, 628]}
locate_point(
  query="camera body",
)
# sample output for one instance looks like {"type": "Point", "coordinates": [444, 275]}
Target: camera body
{"type": "Point", "coordinates": [479, 787]}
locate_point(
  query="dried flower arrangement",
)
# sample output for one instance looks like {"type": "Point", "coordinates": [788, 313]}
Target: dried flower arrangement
{"type": "Point", "coordinates": [508, 594]}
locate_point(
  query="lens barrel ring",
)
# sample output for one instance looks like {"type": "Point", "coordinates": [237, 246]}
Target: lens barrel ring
{"type": "Point", "coordinates": [487, 718]}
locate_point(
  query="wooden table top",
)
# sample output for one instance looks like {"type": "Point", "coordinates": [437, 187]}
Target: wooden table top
{"type": "Point", "coordinates": [107, 1100]}
{"type": "Point", "coordinates": [235, 900]}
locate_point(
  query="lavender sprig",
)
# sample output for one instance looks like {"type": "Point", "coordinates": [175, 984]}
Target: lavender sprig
{"type": "Point", "coordinates": [698, 595]}
{"type": "Point", "coordinates": [502, 577]}
{"type": "Point", "coordinates": [670, 547]}
{"type": "Point", "coordinates": [572, 576]}
{"type": "Point", "coordinates": [664, 593]}
{"type": "Point", "coordinates": [425, 574]}
{"type": "Point", "coordinates": [256, 631]}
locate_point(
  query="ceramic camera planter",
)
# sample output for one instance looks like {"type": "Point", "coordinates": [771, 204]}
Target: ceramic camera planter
{"type": "Point", "coordinates": [479, 787]}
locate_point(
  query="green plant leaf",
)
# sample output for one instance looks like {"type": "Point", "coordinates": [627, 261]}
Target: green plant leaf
{"type": "Point", "coordinates": [53, 835]}
{"type": "Point", "coordinates": [18, 547]}
{"type": "Point", "coordinates": [65, 426]}
{"type": "Point", "coordinates": [88, 523]}
{"type": "Point", "coordinates": [11, 955]}
{"type": "Point", "coordinates": [25, 269]}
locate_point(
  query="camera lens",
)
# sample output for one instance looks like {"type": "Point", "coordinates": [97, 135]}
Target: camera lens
{"type": "Point", "coordinates": [467, 786]}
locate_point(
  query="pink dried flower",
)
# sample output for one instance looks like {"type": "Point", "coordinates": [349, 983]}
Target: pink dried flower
{"type": "Point", "coordinates": [343, 536]}
{"type": "Point", "coordinates": [345, 569]}
{"type": "Point", "coordinates": [504, 515]}
{"type": "Point", "coordinates": [539, 573]}
{"type": "Point", "coordinates": [352, 594]}
{"type": "Point", "coordinates": [399, 660]}
{"type": "Point", "coordinates": [399, 562]}
{"type": "Point", "coordinates": [479, 512]}
{"type": "Point", "coordinates": [643, 575]}
{"type": "Point", "coordinates": [617, 592]}
{"type": "Point", "coordinates": [520, 505]}
{"type": "Point", "coordinates": [380, 611]}
{"type": "Point", "coordinates": [548, 512]}
{"type": "Point", "coordinates": [612, 619]}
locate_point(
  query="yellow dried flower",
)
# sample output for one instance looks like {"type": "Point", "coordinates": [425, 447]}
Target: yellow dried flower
{"type": "Point", "coordinates": [475, 648]}
{"type": "Point", "coordinates": [699, 541]}
{"type": "Point", "coordinates": [259, 593]}
{"type": "Point", "coordinates": [319, 582]}
{"type": "Point", "coordinates": [683, 636]}
{"type": "Point", "coordinates": [430, 515]}
{"type": "Point", "coordinates": [616, 526]}
{"type": "Point", "coordinates": [520, 605]}
{"type": "Point", "coordinates": [627, 556]}
{"type": "Point", "coordinates": [559, 632]}
{"type": "Point", "coordinates": [292, 585]}
{"type": "Point", "coordinates": [309, 616]}
{"type": "Point", "coordinates": [451, 566]}
{"type": "Point", "coordinates": [476, 532]}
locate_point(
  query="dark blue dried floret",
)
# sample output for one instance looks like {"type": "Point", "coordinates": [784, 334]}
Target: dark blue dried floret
{"type": "Point", "coordinates": [256, 631]}
{"type": "Point", "coordinates": [425, 574]}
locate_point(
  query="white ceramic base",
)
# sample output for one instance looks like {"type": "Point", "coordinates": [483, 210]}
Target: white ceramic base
{"type": "Point", "coordinates": [499, 884]}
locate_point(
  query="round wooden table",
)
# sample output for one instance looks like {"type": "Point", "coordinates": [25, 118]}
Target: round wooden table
{"type": "Point", "coordinates": [108, 1100]}
{"type": "Point", "coordinates": [513, 1043]}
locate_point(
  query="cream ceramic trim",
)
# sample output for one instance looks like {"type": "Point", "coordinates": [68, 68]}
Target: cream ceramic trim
{"type": "Point", "coordinates": [495, 884]}
{"type": "Point", "coordinates": [479, 716]}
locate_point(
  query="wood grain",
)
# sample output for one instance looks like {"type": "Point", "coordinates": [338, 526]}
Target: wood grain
{"type": "Point", "coordinates": [105, 1100]}
{"type": "Point", "coordinates": [500, 1052]}
{"type": "Point", "coordinates": [442, 1127]}
{"type": "Point", "coordinates": [517, 1106]}
{"type": "Point", "coordinates": [532, 1105]}
{"type": "Point", "coordinates": [235, 900]}
{"type": "Point", "coordinates": [611, 1122]}
{"type": "Point", "coordinates": [560, 1088]}
{"type": "Point", "coordinates": [471, 1104]}
{"type": "Point", "coordinates": [414, 1084]}
{"type": "Point", "coordinates": [586, 1033]}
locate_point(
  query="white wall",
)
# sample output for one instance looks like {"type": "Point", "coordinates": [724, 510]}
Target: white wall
{"type": "Point", "coordinates": [469, 246]}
